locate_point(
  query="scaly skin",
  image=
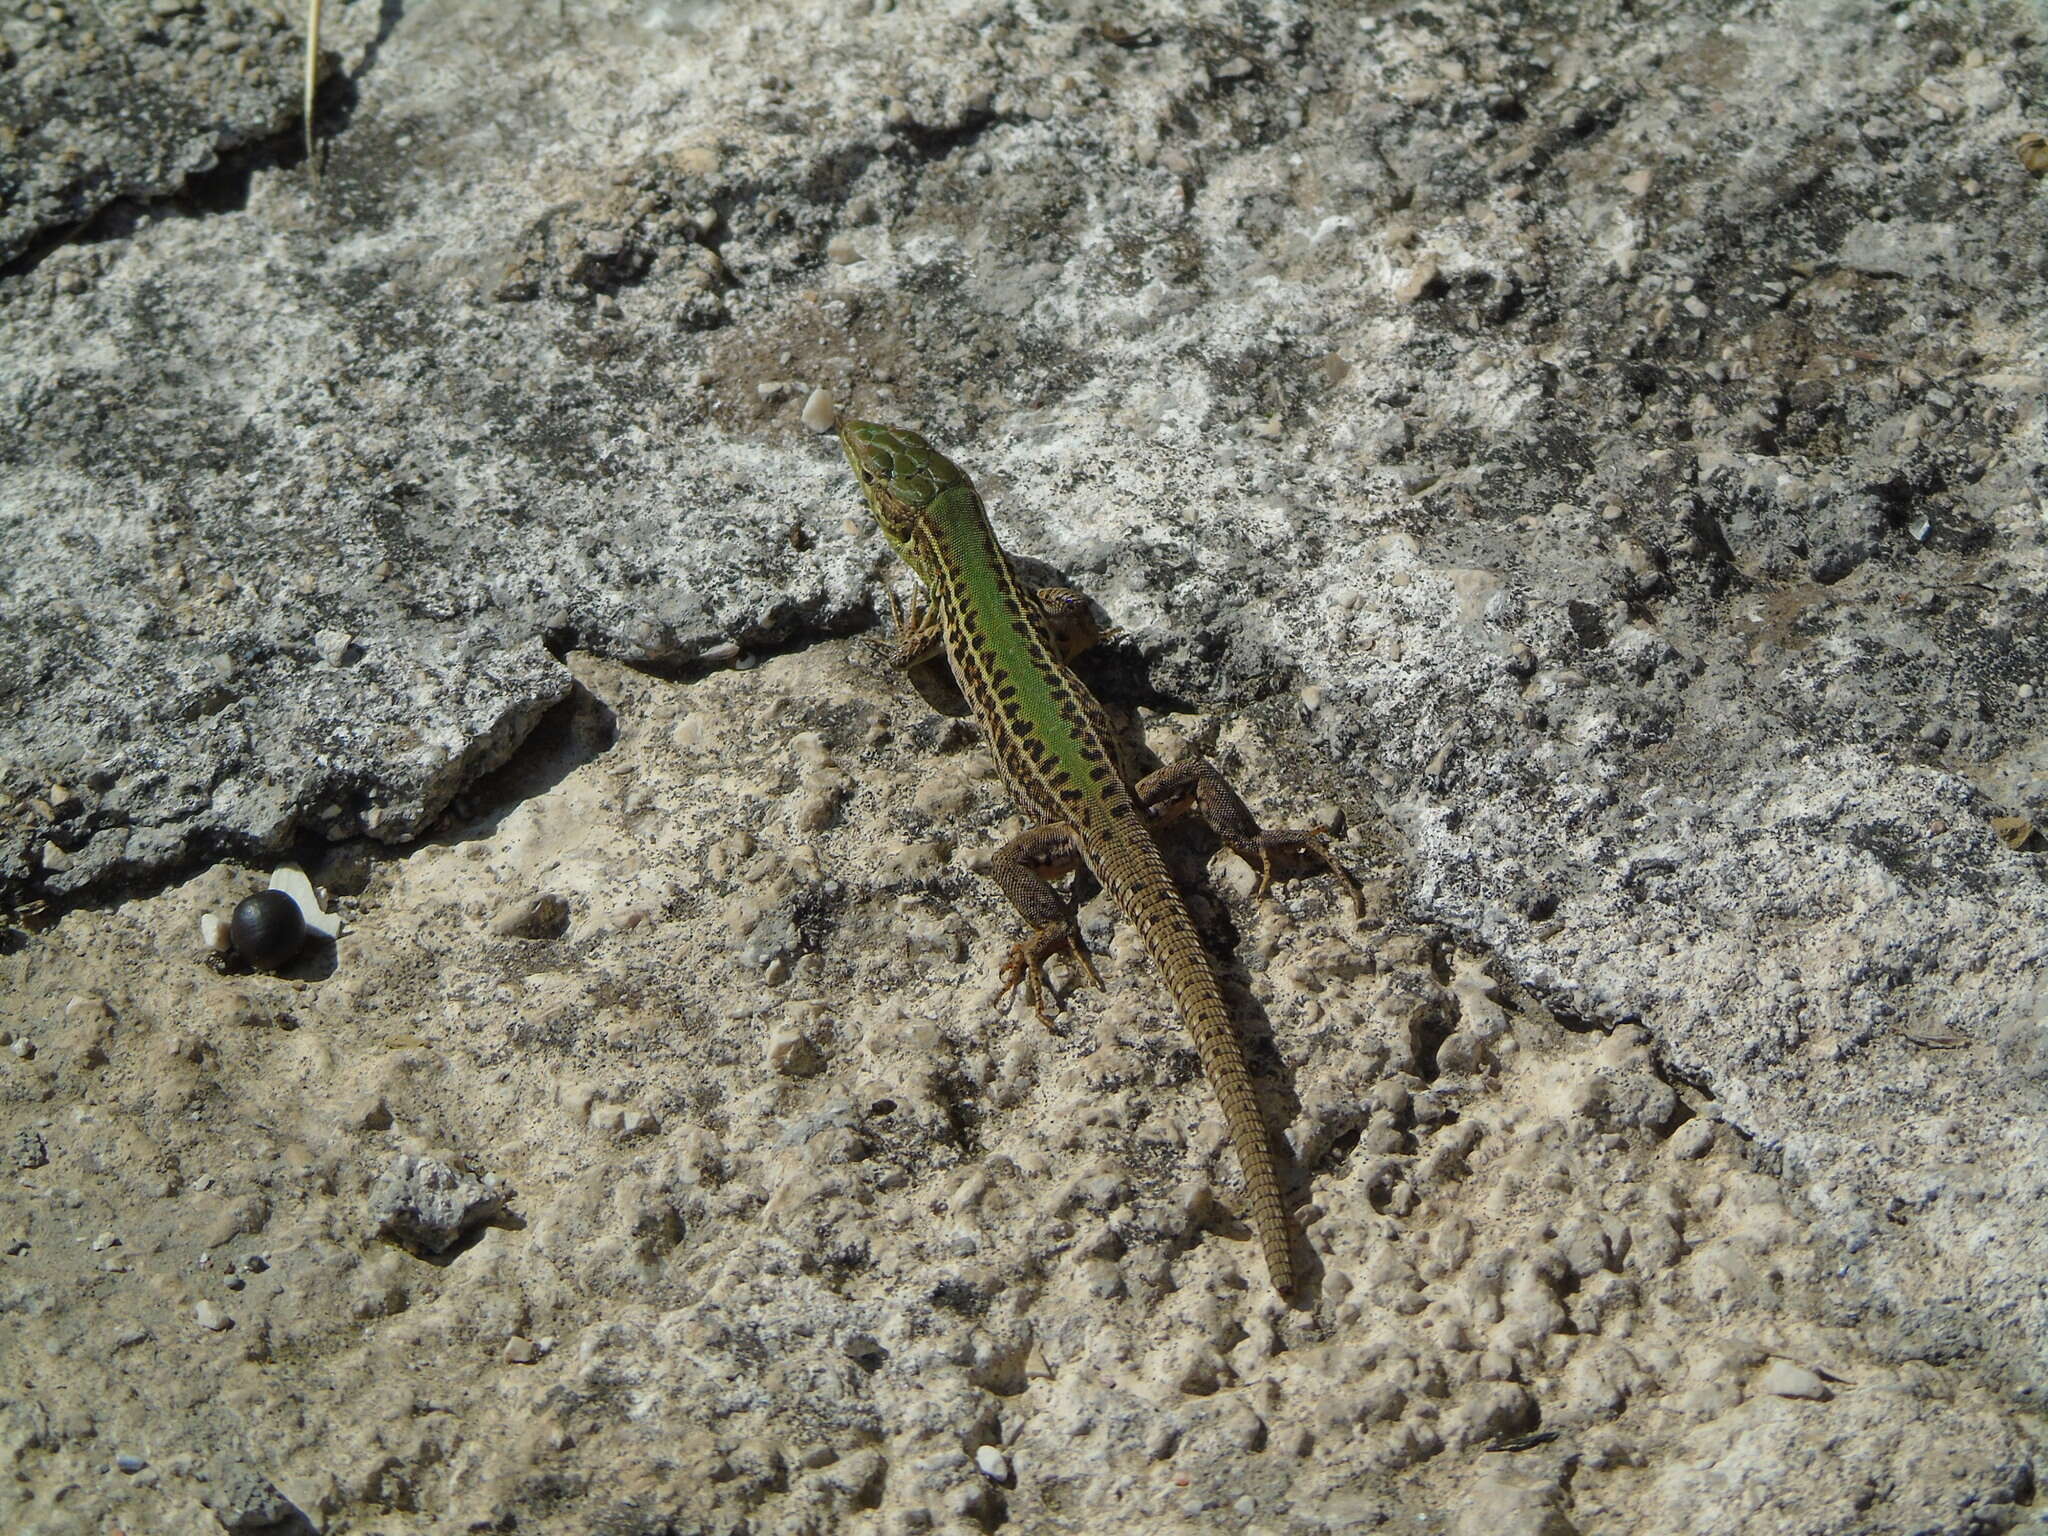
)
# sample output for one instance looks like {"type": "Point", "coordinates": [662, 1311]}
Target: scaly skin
{"type": "Point", "coordinates": [1051, 741]}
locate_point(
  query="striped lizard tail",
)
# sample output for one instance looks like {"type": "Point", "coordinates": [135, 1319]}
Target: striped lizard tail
{"type": "Point", "coordinates": [1153, 902]}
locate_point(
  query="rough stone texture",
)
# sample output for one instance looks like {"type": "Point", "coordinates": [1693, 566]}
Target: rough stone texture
{"type": "Point", "coordinates": [244, 1501]}
{"type": "Point", "coordinates": [1606, 464]}
{"type": "Point", "coordinates": [807, 1222]}
{"type": "Point", "coordinates": [430, 1207]}
{"type": "Point", "coordinates": [115, 99]}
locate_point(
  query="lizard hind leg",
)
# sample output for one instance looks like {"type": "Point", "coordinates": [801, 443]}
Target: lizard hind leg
{"type": "Point", "coordinates": [1196, 786]}
{"type": "Point", "coordinates": [1025, 868]}
{"type": "Point", "coordinates": [1026, 964]}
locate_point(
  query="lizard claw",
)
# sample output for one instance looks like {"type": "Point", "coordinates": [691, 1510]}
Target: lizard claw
{"type": "Point", "coordinates": [1312, 843]}
{"type": "Point", "coordinates": [1025, 966]}
{"type": "Point", "coordinates": [1079, 951]}
{"type": "Point", "coordinates": [1022, 968]}
{"type": "Point", "coordinates": [1319, 840]}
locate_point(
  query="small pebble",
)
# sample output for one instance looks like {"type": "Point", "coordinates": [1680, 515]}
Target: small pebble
{"type": "Point", "coordinates": [995, 1466]}
{"type": "Point", "coordinates": [520, 1351]}
{"type": "Point", "coordinates": [294, 882]}
{"type": "Point", "coordinates": [1693, 1139]}
{"type": "Point", "coordinates": [210, 1317]}
{"type": "Point", "coordinates": [821, 413]}
{"type": "Point", "coordinates": [1781, 1378]}
{"type": "Point", "coordinates": [128, 1461]}
{"type": "Point", "coordinates": [213, 933]}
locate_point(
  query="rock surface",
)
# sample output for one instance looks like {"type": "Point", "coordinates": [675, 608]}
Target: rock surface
{"type": "Point", "coordinates": [1605, 466]}
{"type": "Point", "coordinates": [132, 99]}
{"type": "Point", "coordinates": [430, 1207]}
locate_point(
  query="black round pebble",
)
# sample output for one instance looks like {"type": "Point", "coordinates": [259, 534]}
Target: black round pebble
{"type": "Point", "coordinates": [267, 929]}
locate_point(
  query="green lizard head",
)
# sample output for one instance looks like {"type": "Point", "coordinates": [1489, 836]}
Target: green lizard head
{"type": "Point", "coordinates": [901, 475]}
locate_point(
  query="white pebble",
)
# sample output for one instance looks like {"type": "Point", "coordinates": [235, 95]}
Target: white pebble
{"type": "Point", "coordinates": [995, 1466]}
{"type": "Point", "coordinates": [210, 1317]}
{"type": "Point", "coordinates": [213, 933]}
{"type": "Point", "coordinates": [821, 412]}
{"type": "Point", "coordinates": [1693, 1139]}
{"type": "Point", "coordinates": [1781, 1378]}
{"type": "Point", "coordinates": [292, 880]}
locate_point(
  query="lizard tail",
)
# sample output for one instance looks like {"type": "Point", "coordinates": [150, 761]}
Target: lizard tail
{"type": "Point", "coordinates": [1183, 962]}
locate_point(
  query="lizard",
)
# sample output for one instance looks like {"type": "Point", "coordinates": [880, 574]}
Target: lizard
{"type": "Point", "coordinates": [1008, 651]}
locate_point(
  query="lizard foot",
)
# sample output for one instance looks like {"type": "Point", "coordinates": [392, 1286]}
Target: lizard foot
{"type": "Point", "coordinates": [1311, 844]}
{"type": "Point", "coordinates": [1026, 965]}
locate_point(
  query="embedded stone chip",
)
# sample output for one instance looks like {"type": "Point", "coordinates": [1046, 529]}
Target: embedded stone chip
{"type": "Point", "coordinates": [430, 1207]}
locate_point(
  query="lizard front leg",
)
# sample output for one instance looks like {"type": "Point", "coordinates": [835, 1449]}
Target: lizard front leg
{"type": "Point", "coordinates": [1025, 868]}
{"type": "Point", "coordinates": [1070, 617]}
{"type": "Point", "coordinates": [1196, 786]}
{"type": "Point", "coordinates": [920, 655]}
